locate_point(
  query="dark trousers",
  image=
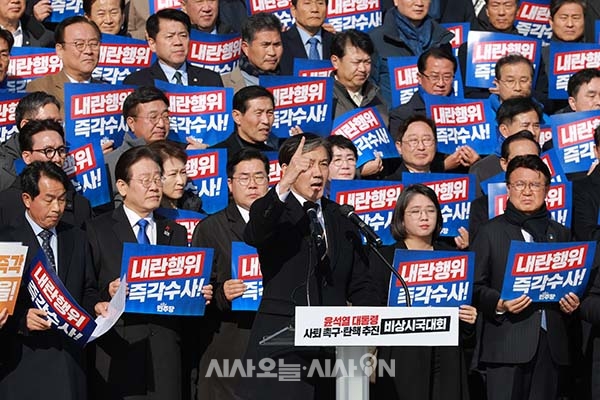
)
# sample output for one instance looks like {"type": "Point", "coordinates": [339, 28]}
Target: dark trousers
{"type": "Point", "coordinates": [535, 380]}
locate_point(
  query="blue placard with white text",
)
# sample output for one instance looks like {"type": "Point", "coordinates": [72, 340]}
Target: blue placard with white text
{"type": "Point", "coordinates": [48, 293]}
{"type": "Point", "coordinates": [165, 280]}
{"type": "Point", "coordinates": [201, 113]}
{"type": "Point", "coordinates": [461, 122]}
{"type": "Point", "coordinates": [359, 15]}
{"type": "Point", "coordinates": [485, 48]}
{"type": "Point", "coordinates": [245, 266]}
{"type": "Point", "coordinates": [566, 59]}
{"type": "Point", "coordinates": [186, 218]}
{"type": "Point", "coordinates": [281, 9]}
{"type": "Point", "coordinates": [62, 9]}
{"type": "Point", "coordinates": [373, 201]}
{"type": "Point", "coordinates": [29, 63]}
{"type": "Point", "coordinates": [573, 139]}
{"type": "Point", "coordinates": [206, 170]}
{"type": "Point", "coordinates": [368, 132]}
{"type": "Point", "coordinates": [546, 272]}
{"type": "Point", "coordinates": [533, 18]}
{"type": "Point", "coordinates": [313, 68]}
{"type": "Point", "coordinates": [455, 193]}
{"type": "Point", "coordinates": [120, 56]}
{"type": "Point", "coordinates": [460, 31]}
{"type": "Point", "coordinates": [300, 101]}
{"type": "Point", "coordinates": [8, 105]}
{"type": "Point", "coordinates": [434, 278]}
{"type": "Point", "coordinates": [219, 53]}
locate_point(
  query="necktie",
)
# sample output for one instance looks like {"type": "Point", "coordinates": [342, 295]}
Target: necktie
{"type": "Point", "coordinates": [478, 6]}
{"type": "Point", "coordinates": [317, 231]}
{"type": "Point", "coordinates": [142, 237]}
{"type": "Point", "coordinates": [46, 235]}
{"type": "Point", "coordinates": [313, 51]}
{"type": "Point", "coordinates": [177, 78]}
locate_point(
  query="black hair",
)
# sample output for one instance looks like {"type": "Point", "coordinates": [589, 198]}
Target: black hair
{"type": "Point", "coordinates": [414, 118]}
{"type": "Point", "coordinates": [31, 104]}
{"type": "Point", "coordinates": [435, 53]}
{"type": "Point", "coordinates": [244, 95]}
{"type": "Point", "coordinates": [515, 106]}
{"type": "Point", "coordinates": [512, 59]}
{"type": "Point", "coordinates": [530, 161]}
{"type": "Point", "coordinates": [8, 37]}
{"type": "Point", "coordinates": [354, 38]}
{"type": "Point", "coordinates": [521, 135]}
{"type": "Point", "coordinates": [34, 127]}
{"type": "Point", "coordinates": [342, 142]}
{"type": "Point", "coordinates": [171, 14]}
{"type": "Point", "coordinates": [579, 78]}
{"type": "Point", "coordinates": [31, 174]}
{"type": "Point", "coordinates": [555, 5]}
{"type": "Point", "coordinates": [246, 154]}
{"type": "Point", "coordinates": [142, 95]}
{"type": "Point", "coordinates": [311, 142]}
{"type": "Point", "coordinates": [59, 32]}
{"type": "Point", "coordinates": [87, 6]}
{"type": "Point", "coordinates": [397, 226]}
{"type": "Point", "coordinates": [132, 156]}
{"type": "Point", "coordinates": [259, 22]}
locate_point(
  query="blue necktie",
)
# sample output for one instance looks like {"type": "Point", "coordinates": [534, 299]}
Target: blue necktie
{"type": "Point", "coordinates": [46, 235]}
{"type": "Point", "coordinates": [142, 237]}
{"type": "Point", "coordinates": [313, 51]}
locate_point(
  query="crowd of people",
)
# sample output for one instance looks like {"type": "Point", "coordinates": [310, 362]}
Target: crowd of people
{"type": "Point", "coordinates": [509, 349]}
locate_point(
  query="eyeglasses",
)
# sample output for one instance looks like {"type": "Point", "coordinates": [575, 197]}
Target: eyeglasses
{"type": "Point", "coordinates": [512, 83]}
{"type": "Point", "coordinates": [414, 143]}
{"type": "Point", "coordinates": [244, 180]}
{"type": "Point", "coordinates": [416, 213]}
{"type": "Point", "coordinates": [520, 186]}
{"type": "Point", "coordinates": [155, 118]}
{"type": "Point", "coordinates": [147, 181]}
{"type": "Point", "coordinates": [50, 152]}
{"type": "Point", "coordinates": [437, 78]}
{"type": "Point", "coordinates": [338, 162]}
{"type": "Point", "coordinates": [80, 45]}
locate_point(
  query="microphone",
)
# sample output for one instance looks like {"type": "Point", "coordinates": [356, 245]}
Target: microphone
{"type": "Point", "coordinates": [316, 230]}
{"type": "Point", "coordinates": [368, 232]}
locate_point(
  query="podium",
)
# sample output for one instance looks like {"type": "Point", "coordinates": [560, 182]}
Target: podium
{"type": "Point", "coordinates": [353, 330]}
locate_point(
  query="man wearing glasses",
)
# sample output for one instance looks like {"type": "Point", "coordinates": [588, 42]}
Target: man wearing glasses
{"type": "Point", "coordinates": [78, 46]}
{"type": "Point", "coordinates": [42, 140]}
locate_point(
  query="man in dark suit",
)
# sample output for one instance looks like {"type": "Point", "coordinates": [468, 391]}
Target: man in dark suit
{"type": "Point", "coordinates": [27, 31]}
{"type": "Point", "coordinates": [141, 356]}
{"type": "Point", "coordinates": [169, 37]}
{"type": "Point", "coordinates": [28, 347]}
{"type": "Point", "coordinates": [78, 46]}
{"type": "Point", "coordinates": [306, 38]}
{"type": "Point", "coordinates": [227, 331]}
{"type": "Point", "coordinates": [205, 16]}
{"type": "Point", "coordinates": [253, 115]}
{"type": "Point", "coordinates": [42, 140]}
{"type": "Point", "coordinates": [297, 270]}
{"type": "Point", "coordinates": [523, 344]}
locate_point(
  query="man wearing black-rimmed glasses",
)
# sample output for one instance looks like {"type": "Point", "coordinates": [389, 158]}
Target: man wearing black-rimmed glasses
{"type": "Point", "coordinates": [42, 140]}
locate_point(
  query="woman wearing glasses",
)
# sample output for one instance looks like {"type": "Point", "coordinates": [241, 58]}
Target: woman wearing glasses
{"type": "Point", "coordinates": [421, 373]}
{"type": "Point", "coordinates": [173, 159]}
{"type": "Point", "coordinates": [524, 345]}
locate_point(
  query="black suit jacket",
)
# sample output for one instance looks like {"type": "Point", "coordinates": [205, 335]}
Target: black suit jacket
{"type": "Point", "coordinates": [54, 360]}
{"type": "Point", "coordinates": [586, 206]}
{"type": "Point", "coordinates": [223, 333]}
{"type": "Point", "coordinates": [35, 34]}
{"type": "Point", "coordinates": [513, 338]}
{"type": "Point", "coordinates": [294, 48]}
{"type": "Point", "coordinates": [142, 353]}
{"type": "Point", "coordinates": [196, 76]}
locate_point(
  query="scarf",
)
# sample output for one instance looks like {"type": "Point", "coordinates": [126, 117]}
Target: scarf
{"type": "Point", "coordinates": [250, 69]}
{"type": "Point", "coordinates": [536, 224]}
{"type": "Point", "coordinates": [417, 38]}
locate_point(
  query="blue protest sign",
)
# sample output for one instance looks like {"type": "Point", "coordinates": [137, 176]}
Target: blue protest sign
{"type": "Point", "coordinates": [245, 266]}
{"type": "Point", "coordinates": [29, 63]}
{"type": "Point", "coordinates": [485, 48]}
{"type": "Point", "coordinates": [313, 68]}
{"type": "Point", "coordinates": [120, 56]}
{"type": "Point", "coordinates": [299, 101]}
{"type": "Point", "coordinates": [367, 130]}
{"type": "Point", "coordinates": [359, 15]}
{"type": "Point", "coordinates": [275, 171]}
{"type": "Point", "coordinates": [460, 31]}
{"type": "Point", "coordinates": [8, 104]}
{"type": "Point", "coordinates": [202, 113]}
{"type": "Point", "coordinates": [165, 279]}
{"type": "Point", "coordinates": [566, 59]}
{"type": "Point", "coordinates": [403, 79]}
{"type": "Point", "coordinates": [156, 5]}
{"type": "Point", "coordinates": [186, 218]}
{"type": "Point", "coordinates": [62, 9]}
{"type": "Point", "coordinates": [85, 168]}
{"type": "Point", "coordinates": [533, 19]}
{"type": "Point", "coordinates": [455, 193]}
{"type": "Point", "coordinates": [434, 278]}
{"type": "Point", "coordinates": [206, 170]}
{"type": "Point", "coordinates": [94, 112]}
{"type": "Point", "coordinates": [219, 53]}
{"type": "Point", "coordinates": [48, 293]}
{"type": "Point", "coordinates": [547, 271]}
{"type": "Point", "coordinates": [280, 8]}
{"type": "Point", "coordinates": [373, 201]}
{"type": "Point", "coordinates": [573, 138]}
{"type": "Point", "coordinates": [462, 122]}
